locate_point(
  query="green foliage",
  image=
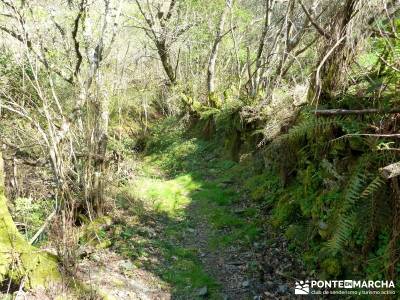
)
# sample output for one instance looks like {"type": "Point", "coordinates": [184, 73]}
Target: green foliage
{"type": "Point", "coordinates": [31, 213]}
{"type": "Point", "coordinates": [257, 187]}
{"type": "Point", "coordinates": [332, 267]}
{"type": "Point", "coordinates": [286, 211]}
{"type": "Point", "coordinates": [334, 199]}
{"type": "Point", "coordinates": [297, 233]}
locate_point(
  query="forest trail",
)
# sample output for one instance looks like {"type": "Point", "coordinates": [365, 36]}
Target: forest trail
{"type": "Point", "coordinates": [167, 149]}
{"type": "Point", "coordinates": [190, 234]}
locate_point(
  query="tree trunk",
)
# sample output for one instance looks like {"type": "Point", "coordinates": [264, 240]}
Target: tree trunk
{"type": "Point", "coordinates": [390, 171]}
{"type": "Point", "coordinates": [94, 160]}
{"type": "Point", "coordinates": [255, 79]}
{"type": "Point", "coordinates": [213, 57]}
{"type": "Point", "coordinates": [19, 261]}
{"type": "Point", "coordinates": [159, 36]}
{"type": "Point", "coordinates": [100, 147]}
{"type": "Point", "coordinates": [96, 136]}
{"type": "Point", "coordinates": [336, 52]}
{"type": "Point", "coordinates": [166, 61]}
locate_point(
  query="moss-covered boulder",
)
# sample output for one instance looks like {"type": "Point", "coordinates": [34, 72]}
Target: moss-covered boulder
{"type": "Point", "coordinates": [18, 259]}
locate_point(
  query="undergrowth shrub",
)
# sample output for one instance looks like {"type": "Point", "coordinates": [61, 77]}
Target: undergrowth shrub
{"type": "Point", "coordinates": [330, 196]}
{"type": "Point", "coordinates": [30, 214]}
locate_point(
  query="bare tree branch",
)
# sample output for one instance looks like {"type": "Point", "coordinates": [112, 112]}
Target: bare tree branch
{"type": "Point", "coordinates": [78, 53]}
{"type": "Point", "coordinates": [313, 22]}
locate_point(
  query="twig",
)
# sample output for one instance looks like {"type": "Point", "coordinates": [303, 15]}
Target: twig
{"type": "Point", "coordinates": [394, 135]}
{"type": "Point", "coordinates": [314, 23]}
{"type": "Point", "coordinates": [341, 112]}
{"type": "Point", "coordinates": [317, 74]}
{"type": "Point", "coordinates": [40, 231]}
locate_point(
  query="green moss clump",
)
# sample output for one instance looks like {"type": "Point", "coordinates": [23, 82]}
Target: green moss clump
{"type": "Point", "coordinates": [331, 267]}
{"type": "Point", "coordinates": [285, 212]}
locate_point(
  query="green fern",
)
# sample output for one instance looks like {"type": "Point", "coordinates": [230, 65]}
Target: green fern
{"type": "Point", "coordinates": [306, 141]}
{"type": "Point", "coordinates": [309, 129]}
{"type": "Point", "coordinates": [347, 214]}
{"type": "Point", "coordinates": [343, 233]}
{"type": "Point", "coordinates": [373, 187]}
{"type": "Point", "coordinates": [362, 185]}
{"type": "Point", "coordinates": [208, 112]}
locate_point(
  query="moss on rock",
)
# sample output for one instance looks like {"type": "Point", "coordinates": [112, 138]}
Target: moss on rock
{"type": "Point", "coordinates": [18, 259]}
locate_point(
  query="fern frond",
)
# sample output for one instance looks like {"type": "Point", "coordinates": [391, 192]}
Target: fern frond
{"type": "Point", "coordinates": [354, 190]}
{"type": "Point", "coordinates": [208, 112]}
{"type": "Point", "coordinates": [349, 207]}
{"type": "Point", "coordinates": [310, 129]}
{"type": "Point", "coordinates": [373, 187]}
{"type": "Point", "coordinates": [342, 234]}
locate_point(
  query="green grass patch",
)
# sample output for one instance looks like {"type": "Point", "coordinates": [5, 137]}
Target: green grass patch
{"type": "Point", "coordinates": [167, 196]}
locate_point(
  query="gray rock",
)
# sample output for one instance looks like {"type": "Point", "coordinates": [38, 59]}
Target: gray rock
{"type": "Point", "coordinates": [283, 289]}
{"type": "Point", "coordinates": [202, 291]}
{"type": "Point", "coordinates": [322, 225]}
{"type": "Point", "coordinates": [246, 283]}
{"type": "Point", "coordinates": [127, 265]}
{"type": "Point", "coordinates": [95, 257]}
{"type": "Point", "coordinates": [270, 285]}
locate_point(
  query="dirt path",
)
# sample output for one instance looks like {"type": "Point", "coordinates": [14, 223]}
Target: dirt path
{"type": "Point", "coordinates": [187, 238]}
{"type": "Point", "coordinates": [227, 265]}
{"type": "Point", "coordinates": [191, 237]}
{"type": "Point", "coordinates": [257, 272]}
{"type": "Point", "coordinates": [108, 275]}
{"type": "Point", "coordinates": [192, 234]}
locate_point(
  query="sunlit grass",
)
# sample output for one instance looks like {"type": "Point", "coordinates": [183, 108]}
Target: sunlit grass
{"type": "Point", "coordinates": [170, 197]}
